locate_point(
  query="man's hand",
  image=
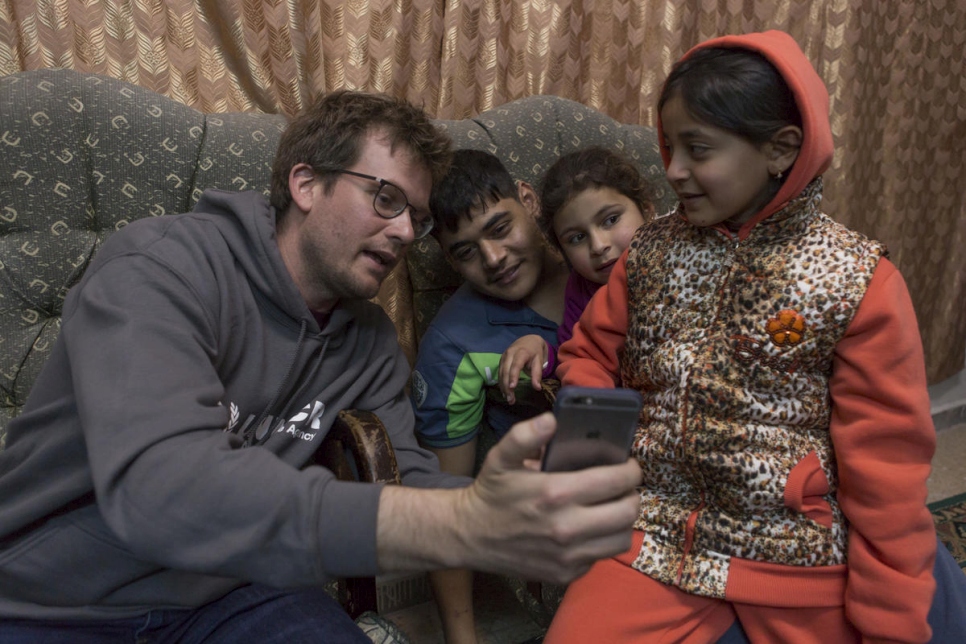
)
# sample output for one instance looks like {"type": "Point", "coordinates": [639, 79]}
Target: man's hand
{"type": "Point", "coordinates": [542, 526]}
{"type": "Point", "coordinates": [527, 352]}
{"type": "Point", "coordinates": [513, 519]}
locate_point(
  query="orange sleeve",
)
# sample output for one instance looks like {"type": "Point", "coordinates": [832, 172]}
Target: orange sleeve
{"type": "Point", "coordinates": [591, 357]}
{"type": "Point", "coordinates": [884, 441]}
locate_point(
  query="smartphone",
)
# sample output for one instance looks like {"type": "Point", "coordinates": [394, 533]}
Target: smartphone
{"type": "Point", "coordinates": [594, 427]}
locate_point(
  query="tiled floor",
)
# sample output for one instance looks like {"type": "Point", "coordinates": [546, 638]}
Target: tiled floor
{"type": "Point", "coordinates": [501, 618]}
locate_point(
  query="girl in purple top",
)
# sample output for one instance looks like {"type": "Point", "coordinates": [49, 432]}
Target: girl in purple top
{"type": "Point", "coordinates": [591, 201]}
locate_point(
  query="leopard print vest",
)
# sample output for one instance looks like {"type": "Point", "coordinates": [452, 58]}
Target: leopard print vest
{"type": "Point", "coordinates": [731, 344]}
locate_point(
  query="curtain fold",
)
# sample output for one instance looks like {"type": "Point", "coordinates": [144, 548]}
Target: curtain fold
{"type": "Point", "coordinates": [894, 71]}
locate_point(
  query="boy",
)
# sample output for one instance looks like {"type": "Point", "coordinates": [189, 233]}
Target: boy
{"type": "Point", "coordinates": [486, 224]}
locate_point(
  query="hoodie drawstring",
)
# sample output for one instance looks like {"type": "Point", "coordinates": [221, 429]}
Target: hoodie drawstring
{"type": "Point", "coordinates": [251, 437]}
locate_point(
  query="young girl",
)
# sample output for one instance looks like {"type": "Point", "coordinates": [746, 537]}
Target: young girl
{"type": "Point", "coordinates": [786, 437]}
{"type": "Point", "coordinates": [591, 202]}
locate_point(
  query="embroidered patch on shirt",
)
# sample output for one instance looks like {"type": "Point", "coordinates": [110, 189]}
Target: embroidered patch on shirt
{"type": "Point", "coordinates": [419, 388]}
{"type": "Point", "coordinates": [786, 329]}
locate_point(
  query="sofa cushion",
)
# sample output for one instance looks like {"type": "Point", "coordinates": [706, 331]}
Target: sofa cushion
{"type": "Point", "coordinates": [82, 155]}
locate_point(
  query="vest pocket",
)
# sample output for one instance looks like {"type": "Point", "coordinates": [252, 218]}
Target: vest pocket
{"type": "Point", "coordinates": [806, 488]}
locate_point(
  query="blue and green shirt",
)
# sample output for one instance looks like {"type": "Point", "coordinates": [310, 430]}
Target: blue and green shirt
{"type": "Point", "coordinates": [458, 362]}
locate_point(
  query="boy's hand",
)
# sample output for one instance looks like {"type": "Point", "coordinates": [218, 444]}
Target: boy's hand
{"type": "Point", "coordinates": [528, 352]}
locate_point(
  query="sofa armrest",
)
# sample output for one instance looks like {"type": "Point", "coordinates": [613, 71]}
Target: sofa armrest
{"type": "Point", "coordinates": [357, 448]}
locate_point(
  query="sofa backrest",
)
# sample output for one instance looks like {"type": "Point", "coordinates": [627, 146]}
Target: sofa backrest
{"type": "Point", "coordinates": [81, 155]}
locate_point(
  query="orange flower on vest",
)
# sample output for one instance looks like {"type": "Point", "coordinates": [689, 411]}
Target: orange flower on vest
{"type": "Point", "coordinates": [787, 328]}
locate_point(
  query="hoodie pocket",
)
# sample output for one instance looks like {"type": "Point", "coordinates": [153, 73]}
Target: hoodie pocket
{"type": "Point", "coordinates": [806, 488]}
{"type": "Point", "coordinates": [73, 560]}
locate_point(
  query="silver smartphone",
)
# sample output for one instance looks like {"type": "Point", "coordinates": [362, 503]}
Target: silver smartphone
{"type": "Point", "coordinates": [594, 427]}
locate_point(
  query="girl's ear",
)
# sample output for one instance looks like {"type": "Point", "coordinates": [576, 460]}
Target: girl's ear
{"type": "Point", "coordinates": [782, 149]}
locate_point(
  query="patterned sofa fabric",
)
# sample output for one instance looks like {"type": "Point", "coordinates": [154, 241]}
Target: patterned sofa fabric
{"type": "Point", "coordinates": [81, 155]}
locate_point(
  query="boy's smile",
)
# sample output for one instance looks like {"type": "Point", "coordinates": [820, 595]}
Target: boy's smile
{"type": "Point", "coordinates": [505, 277]}
{"type": "Point", "coordinates": [499, 250]}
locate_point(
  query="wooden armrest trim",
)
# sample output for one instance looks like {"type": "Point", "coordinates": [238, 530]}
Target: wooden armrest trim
{"type": "Point", "coordinates": [363, 435]}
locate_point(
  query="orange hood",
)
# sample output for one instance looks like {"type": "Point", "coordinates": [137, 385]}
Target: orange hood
{"type": "Point", "coordinates": [811, 97]}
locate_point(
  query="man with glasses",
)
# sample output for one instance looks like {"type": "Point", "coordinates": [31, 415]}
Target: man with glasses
{"type": "Point", "coordinates": [154, 488]}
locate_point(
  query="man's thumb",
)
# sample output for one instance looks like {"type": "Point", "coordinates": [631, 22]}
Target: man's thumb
{"type": "Point", "coordinates": [524, 441]}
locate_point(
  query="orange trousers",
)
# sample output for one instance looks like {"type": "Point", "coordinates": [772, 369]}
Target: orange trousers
{"type": "Point", "coordinates": [616, 604]}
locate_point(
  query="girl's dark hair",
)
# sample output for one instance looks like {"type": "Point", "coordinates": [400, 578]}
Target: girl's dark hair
{"type": "Point", "coordinates": [736, 90]}
{"type": "Point", "coordinates": [592, 167]}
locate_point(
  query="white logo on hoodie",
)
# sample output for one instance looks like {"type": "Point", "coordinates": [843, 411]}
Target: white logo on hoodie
{"type": "Point", "coordinates": [308, 418]}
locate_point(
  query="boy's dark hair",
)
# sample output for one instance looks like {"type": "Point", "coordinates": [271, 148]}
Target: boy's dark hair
{"type": "Point", "coordinates": [733, 89]}
{"type": "Point", "coordinates": [329, 136]}
{"type": "Point", "coordinates": [592, 167]}
{"type": "Point", "coordinates": [475, 179]}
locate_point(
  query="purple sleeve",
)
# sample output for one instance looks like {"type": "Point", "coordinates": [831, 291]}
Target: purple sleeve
{"type": "Point", "coordinates": [576, 296]}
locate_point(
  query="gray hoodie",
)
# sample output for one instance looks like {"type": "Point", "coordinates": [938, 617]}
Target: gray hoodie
{"type": "Point", "coordinates": [157, 461]}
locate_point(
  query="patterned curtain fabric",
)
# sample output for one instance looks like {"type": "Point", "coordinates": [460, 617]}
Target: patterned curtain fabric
{"type": "Point", "coordinates": [894, 69]}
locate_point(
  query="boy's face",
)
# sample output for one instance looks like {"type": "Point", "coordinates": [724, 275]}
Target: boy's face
{"type": "Point", "coordinates": [499, 250]}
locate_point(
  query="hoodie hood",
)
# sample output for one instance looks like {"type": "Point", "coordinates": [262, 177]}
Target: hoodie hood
{"type": "Point", "coordinates": [811, 97]}
{"type": "Point", "coordinates": [248, 227]}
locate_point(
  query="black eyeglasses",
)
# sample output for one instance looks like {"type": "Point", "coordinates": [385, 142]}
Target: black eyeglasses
{"type": "Point", "coordinates": [390, 201]}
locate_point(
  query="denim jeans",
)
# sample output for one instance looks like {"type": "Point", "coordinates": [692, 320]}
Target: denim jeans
{"type": "Point", "coordinates": [248, 614]}
{"type": "Point", "coordinates": [948, 613]}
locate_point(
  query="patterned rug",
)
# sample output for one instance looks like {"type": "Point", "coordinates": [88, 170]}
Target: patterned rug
{"type": "Point", "coordinates": [950, 517]}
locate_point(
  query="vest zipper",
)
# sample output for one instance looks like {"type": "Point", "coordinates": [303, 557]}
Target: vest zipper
{"type": "Point", "coordinates": [689, 537]}
{"type": "Point", "coordinates": [689, 527]}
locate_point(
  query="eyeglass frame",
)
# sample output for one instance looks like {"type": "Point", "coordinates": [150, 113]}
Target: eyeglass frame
{"type": "Point", "coordinates": [375, 198]}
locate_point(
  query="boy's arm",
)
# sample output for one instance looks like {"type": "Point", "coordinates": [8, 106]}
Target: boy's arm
{"type": "Point", "coordinates": [884, 440]}
{"type": "Point", "coordinates": [591, 357]}
{"type": "Point", "coordinates": [448, 394]}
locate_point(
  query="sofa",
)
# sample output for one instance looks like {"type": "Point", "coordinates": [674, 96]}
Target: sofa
{"type": "Point", "coordinates": [81, 155]}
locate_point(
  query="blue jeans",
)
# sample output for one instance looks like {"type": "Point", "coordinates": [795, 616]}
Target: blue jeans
{"type": "Point", "coordinates": [249, 614]}
{"type": "Point", "coordinates": [948, 613]}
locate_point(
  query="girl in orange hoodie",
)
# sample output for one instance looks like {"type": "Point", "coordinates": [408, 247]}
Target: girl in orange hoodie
{"type": "Point", "coordinates": [786, 437]}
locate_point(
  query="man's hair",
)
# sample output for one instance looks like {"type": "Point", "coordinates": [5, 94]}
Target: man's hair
{"type": "Point", "coordinates": [329, 136]}
{"type": "Point", "coordinates": [475, 179]}
{"type": "Point", "coordinates": [733, 89]}
{"type": "Point", "coordinates": [592, 167]}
